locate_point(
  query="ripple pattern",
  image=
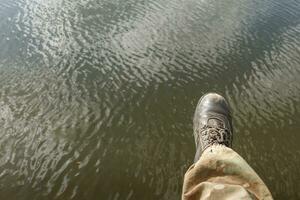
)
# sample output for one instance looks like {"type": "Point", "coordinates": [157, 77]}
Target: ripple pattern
{"type": "Point", "coordinates": [97, 97]}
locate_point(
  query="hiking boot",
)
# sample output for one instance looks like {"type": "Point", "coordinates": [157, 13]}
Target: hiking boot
{"type": "Point", "coordinates": [212, 123]}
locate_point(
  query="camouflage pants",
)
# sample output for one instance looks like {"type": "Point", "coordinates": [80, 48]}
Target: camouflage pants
{"type": "Point", "coordinates": [221, 173]}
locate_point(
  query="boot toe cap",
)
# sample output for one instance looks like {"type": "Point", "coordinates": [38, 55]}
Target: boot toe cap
{"type": "Point", "coordinates": [213, 103]}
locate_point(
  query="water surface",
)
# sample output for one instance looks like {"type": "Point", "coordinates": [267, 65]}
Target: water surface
{"type": "Point", "coordinates": [97, 97]}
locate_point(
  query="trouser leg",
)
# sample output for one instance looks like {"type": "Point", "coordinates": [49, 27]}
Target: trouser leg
{"type": "Point", "coordinates": [221, 173]}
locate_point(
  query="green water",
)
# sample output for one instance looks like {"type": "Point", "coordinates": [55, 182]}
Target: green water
{"type": "Point", "coordinates": [97, 97]}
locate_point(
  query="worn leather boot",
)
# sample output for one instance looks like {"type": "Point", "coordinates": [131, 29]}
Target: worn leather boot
{"type": "Point", "coordinates": [212, 123]}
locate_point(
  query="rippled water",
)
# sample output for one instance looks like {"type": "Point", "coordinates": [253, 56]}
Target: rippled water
{"type": "Point", "coordinates": [97, 97]}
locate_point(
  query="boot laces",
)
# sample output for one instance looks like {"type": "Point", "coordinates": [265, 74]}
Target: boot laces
{"type": "Point", "coordinates": [214, 135]}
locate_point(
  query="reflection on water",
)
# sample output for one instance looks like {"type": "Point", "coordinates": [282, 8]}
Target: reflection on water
{"type": "Point", "coordinates": [97, 97]}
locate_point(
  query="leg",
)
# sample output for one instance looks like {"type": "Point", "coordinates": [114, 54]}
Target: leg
{"type": "Point", "coordinates": [219, 172]}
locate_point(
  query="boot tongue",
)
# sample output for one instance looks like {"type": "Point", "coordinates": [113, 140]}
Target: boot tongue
{"type": "Point", "coordinates": [216, 123]}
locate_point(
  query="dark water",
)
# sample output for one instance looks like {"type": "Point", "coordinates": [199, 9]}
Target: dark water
{"type": "Point", "coordinates": [97, 97]}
